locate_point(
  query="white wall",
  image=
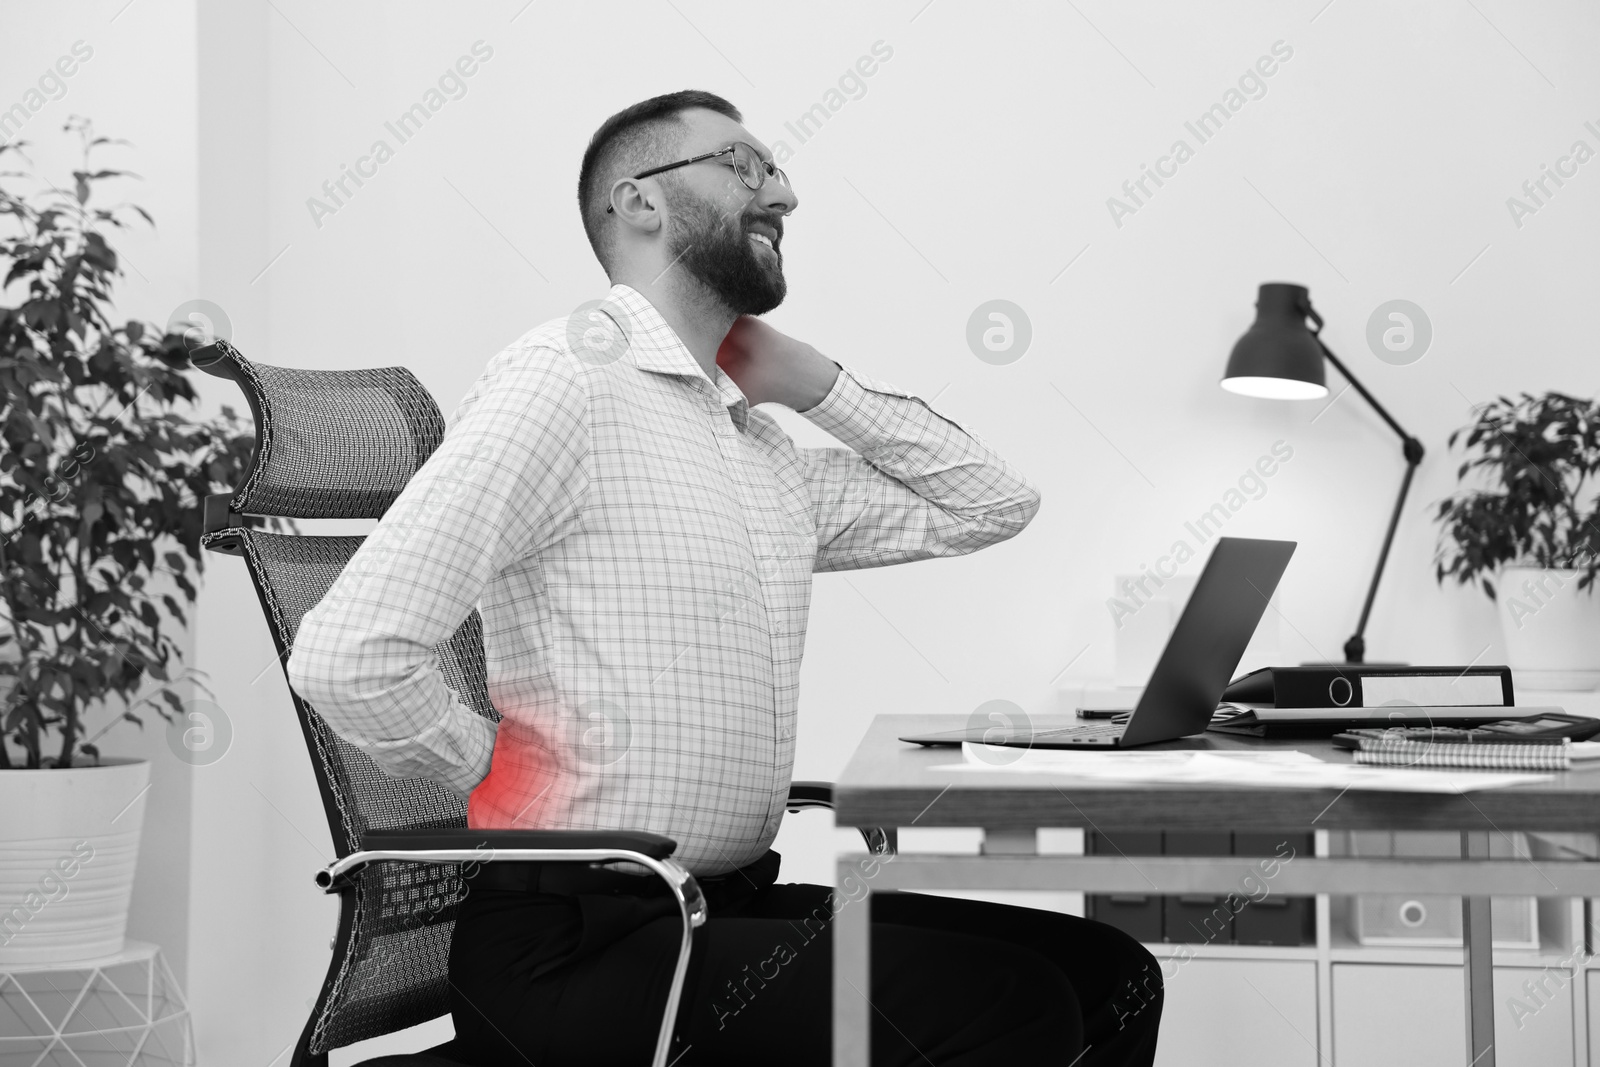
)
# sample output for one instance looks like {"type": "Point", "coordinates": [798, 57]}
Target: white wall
{"type": "Point", "coordinates": [150, 47]}
{"type": "Point", "coordinates": [976, 166]}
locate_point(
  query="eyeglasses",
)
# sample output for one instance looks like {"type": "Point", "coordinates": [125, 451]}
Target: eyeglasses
{"type": "Point", "coordinates": [747, 163]}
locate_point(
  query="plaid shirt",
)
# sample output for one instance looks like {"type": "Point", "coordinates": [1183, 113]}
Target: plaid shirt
{"type": "Point", "coordinates": [640, 545]}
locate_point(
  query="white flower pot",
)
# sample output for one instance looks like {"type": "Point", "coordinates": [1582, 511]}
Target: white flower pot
{"type": "Point", "coordinates": [68, 842]}
{"type": "Point", "coordinates": [1552, 629]}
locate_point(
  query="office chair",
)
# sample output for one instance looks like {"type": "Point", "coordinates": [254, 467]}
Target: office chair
{"type": "Point", "coordinates": [342, 445]}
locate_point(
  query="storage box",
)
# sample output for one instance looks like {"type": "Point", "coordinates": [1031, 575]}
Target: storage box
{"type": "Point", "coordinates": [1198, 918]}
{"type": "Point", "coordinates": [1422, 920]}
{"type": "Point", "coordinates": [1136, 914]}
{"type": "Point", "coordinates": [1275, 919]}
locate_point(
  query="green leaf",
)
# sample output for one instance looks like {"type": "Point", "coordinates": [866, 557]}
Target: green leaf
{"type": "Point", "coordinates": [94, 489]}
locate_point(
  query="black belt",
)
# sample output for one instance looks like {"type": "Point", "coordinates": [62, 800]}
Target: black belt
{"type": "Point", "coordinates": [574, 879]}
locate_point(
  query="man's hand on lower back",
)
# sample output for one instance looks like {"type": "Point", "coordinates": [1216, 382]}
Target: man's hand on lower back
{"type": "Point", "coordinates": [771, 367]}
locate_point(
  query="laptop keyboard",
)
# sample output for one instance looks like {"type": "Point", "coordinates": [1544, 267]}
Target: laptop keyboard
{"type": "Point", "coordinates": [1109, 729]}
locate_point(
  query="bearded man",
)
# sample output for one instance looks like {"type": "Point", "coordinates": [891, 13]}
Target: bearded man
{"type": "Point", "coordinates": [640, 539]}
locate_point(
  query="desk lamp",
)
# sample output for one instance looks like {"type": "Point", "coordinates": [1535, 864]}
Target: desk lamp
{"type": "Point", "coordinates": [1280, 358]}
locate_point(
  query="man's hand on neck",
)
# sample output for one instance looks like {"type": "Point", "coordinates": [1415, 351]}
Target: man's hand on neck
{"type": "Point", "coordinates": [772, 367]}
{"type": "Point", "coordinates": [766, 365]}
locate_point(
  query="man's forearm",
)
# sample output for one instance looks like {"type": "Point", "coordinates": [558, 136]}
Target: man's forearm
{"type": "Point", "coordinates": [395, 708]}
{"type": "Point", "coordinates": [916, 486]}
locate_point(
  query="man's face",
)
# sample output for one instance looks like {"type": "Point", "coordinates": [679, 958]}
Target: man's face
{"type": "Point", "coordinates": [725, 234]}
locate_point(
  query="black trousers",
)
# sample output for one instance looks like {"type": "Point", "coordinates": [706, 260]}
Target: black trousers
{"type": "Point", "coordinates": [580, 975]}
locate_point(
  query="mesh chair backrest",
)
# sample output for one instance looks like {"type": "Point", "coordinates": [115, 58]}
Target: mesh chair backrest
{"type": "Point", "coordinates": [343, 444]}
{"type": "Point", "coordinates": [329, 443]}
{"type": "Point", "coordinates": [393, 948]}
{"type": "Point", "coordinates": [295, 573]}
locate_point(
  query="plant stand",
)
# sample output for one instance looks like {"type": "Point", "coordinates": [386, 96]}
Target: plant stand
{"type": "Point", "coordinates": [125, 1009]}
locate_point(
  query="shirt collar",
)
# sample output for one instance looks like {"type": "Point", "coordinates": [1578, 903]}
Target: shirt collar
{"type": "Point", "coordinates": [655, 346]}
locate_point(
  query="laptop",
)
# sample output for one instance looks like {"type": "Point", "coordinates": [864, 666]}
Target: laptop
{"type": "Point", "coordinates": [1195, 666]}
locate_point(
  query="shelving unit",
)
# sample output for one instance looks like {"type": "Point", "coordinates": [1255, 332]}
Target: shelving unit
{"type": "Point", "coordinates": [1375, 1006]}
{"type": "Point", "coordinates": [1341, 1003]}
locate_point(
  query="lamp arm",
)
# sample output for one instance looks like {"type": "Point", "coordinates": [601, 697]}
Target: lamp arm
{"type": "Point", "coordinates": [1355, 649]}
{"type": "Point", "coordinates": [1368, 397]}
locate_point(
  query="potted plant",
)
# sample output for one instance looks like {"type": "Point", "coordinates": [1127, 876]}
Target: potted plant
{"type": "Point", "coordinates": [100, 483]}
{"type": "Point", "coordinates": [1533, 523]}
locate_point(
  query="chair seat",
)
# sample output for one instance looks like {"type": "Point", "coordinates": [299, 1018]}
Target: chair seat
{"type": "Point", "coordinates": [437, 1056]}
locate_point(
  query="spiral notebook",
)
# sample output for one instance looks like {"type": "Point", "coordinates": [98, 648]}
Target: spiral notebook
{"type": "Point", "coordinates": [1519, 756]}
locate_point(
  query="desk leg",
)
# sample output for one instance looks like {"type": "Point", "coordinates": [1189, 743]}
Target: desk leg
{"type": "Point", "coordinates": [852, 971]}
{"type": "Point", "coordinates": [1477, 939]}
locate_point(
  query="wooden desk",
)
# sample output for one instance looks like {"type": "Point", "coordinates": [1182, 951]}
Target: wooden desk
{"type": "Point", "coordinates": [888, 783]}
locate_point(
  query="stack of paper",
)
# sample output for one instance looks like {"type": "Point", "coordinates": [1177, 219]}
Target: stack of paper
{"type": "Point", "coordinates": [1278, 768]}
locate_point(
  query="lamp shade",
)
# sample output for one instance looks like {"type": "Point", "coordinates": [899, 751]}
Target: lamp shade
{"type": "Point", "coordinates": [1278, 357]}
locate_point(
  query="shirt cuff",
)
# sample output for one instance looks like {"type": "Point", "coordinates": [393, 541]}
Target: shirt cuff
{"type": "Point", "coordinates": [445, 752]}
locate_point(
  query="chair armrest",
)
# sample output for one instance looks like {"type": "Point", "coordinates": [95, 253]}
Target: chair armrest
{"type": "Point", "coordinates": [810, 795]}
{"type": "Point", "coordinates": [803, 795]}
{"type": "Point", "coordinates": [653, 845]}
{"type": "Point", "coordinates": [464, 845]}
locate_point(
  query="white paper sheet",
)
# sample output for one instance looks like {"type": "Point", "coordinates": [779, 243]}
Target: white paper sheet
{"type": "Point", "coordinates": [1276, 768]}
